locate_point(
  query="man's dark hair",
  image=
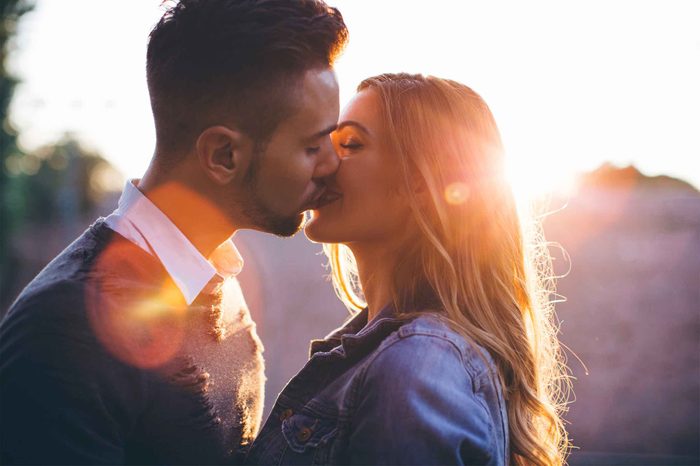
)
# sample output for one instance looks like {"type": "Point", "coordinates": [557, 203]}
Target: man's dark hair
{"type": "Point", "coordinates": [235, 61]}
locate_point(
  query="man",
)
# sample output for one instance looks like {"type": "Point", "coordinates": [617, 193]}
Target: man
{"type": "Point", "coordinates": [134, 345]}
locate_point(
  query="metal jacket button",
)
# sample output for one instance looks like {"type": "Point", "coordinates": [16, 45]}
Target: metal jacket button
{"type": "Point", "coordinates": [286, 414]}
{"type": "Point", "coordinates": [304, 434]}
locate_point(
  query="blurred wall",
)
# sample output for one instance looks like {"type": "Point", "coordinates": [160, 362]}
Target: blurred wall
{"type": "Point", "coordinates": [291, 298]}
{"type": "Point", "coordinates": [633, 317]}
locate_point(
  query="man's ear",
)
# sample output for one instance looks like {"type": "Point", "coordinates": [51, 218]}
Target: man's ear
{"type": "Point", "coordinates": [224, 153]}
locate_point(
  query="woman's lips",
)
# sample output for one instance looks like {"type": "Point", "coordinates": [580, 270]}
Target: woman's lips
{"type": "Point", "coordinates": [313, 202]}
{"type": "Point", "coordinates": [327, 197]}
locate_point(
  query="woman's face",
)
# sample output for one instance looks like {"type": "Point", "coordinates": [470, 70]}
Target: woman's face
{"type": "Point", "coordinates": [371, 207]}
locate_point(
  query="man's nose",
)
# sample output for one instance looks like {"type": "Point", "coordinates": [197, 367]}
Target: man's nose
{"type": "Point", "coordinates": [328, 163]}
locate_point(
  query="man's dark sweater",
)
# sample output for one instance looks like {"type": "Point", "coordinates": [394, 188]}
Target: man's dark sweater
{"type": "Point", "coordinates": [103, 362]}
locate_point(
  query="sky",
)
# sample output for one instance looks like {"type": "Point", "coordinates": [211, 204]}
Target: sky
{"type": "Point", "coordinates": [571, 84]}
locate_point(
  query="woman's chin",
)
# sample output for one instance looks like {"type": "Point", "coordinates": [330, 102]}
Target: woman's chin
{"type": "Point", "coordinates": [312, 229]}
{"type": "Point", "coordinates": [319, 230]}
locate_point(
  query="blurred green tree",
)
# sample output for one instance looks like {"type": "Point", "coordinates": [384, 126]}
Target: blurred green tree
{"type": "Point", "coordinates": [10, 13]}
{"type": "Point", "coordinates": [63, 182]}
{"type": "Point", "coordinates": [59, 185]}
{"type": "Point", "coordinates": [56, 190]}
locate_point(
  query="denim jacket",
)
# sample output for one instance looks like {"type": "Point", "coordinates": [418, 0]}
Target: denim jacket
{"type": "Point", "coordinates": [394, 391]}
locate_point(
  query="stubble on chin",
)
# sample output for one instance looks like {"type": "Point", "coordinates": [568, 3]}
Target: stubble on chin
{"type": "Point", "coordinates": [265, 220]}
{"type": "Point", "coordinates": [261, 217]}
{"type": "Point", "coordinates": [285, 226]}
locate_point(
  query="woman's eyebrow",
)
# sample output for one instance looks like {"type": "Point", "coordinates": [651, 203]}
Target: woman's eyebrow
{"type": "Point", "coordinates": [352, 123]}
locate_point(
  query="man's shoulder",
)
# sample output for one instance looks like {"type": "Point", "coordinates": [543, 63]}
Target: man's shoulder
{"type": "Point", "coordinates": [56, 284]}
{"type": "Point", "coordinates": [102, 298]}
{"type": "Point", "coordinates": [97, 264]}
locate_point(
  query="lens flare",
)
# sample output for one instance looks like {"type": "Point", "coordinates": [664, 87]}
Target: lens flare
{"type": "Point", "coordinates": [138, 319]}
{"type": "Point", "coordinates": [456, 193]}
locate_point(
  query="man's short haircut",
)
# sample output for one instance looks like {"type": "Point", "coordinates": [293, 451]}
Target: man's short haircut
{"type": "Point", "coordinates": [215, 62]}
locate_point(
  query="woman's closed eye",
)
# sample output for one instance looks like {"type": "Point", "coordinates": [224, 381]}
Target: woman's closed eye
{"type": "Point", "coordinates": [350, 145]}
{"type": "Point", "coordinates": [347, 143]}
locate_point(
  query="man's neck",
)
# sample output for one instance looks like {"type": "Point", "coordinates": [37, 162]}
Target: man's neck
{"type": "Point", "coordinates": [198, 218]}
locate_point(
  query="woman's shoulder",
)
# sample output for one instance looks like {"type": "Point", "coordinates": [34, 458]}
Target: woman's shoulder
{"type": "Point", "coordinates": [430, 337]}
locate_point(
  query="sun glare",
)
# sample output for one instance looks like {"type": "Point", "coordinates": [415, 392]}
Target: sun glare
{"type": "Point", "coordinates": [534, 180]}
{"type": "Point", "coordinates": [534, 185]}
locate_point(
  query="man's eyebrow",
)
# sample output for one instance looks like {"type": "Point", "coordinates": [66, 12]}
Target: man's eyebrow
{"type": "Point", "coordinates": [352, 123]}
{"type": "Point", "coordinates": [324, 132]}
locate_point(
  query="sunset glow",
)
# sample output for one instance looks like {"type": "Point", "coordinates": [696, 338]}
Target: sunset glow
{"type": "Point", "coordinates": [566, 100]}
{"type": "Point", "coordinates": [531, 181]}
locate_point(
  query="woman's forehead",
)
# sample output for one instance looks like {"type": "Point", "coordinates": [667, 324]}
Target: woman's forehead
{"type": "Point", "coordinates": [363, 108]}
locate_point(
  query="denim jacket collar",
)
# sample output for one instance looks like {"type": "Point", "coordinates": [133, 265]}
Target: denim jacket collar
{"type": "Point", "coordinates": [369, 389]}
{"type": "Point", "coordinates": [359, 333]}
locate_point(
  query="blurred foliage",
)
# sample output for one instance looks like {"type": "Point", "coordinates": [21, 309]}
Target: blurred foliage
{"type": "Point", "coordinates": [611, 176]}
{"type": "Point", "coordinates": [62, 184]}
{"type": "Point", "coordinates": [59, 184]}
{"type": "Point", "coordinates": [10, 13]}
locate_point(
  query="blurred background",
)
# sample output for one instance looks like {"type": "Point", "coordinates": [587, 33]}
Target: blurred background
{"type": "Point", "coordinates": [599, 107]}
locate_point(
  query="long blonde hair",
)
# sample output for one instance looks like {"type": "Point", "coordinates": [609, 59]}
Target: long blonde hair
{"type": "Point", "coordinates": [471, 255]}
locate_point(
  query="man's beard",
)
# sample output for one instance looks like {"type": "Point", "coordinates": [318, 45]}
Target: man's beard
{"type": "Point", "coordinates": [268, 221]}
{"type": "Point", "coordinates": [261, 216]}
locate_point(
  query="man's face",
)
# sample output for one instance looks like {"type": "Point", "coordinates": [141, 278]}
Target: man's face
{"type": "Point", "coordinates": [288, 176]}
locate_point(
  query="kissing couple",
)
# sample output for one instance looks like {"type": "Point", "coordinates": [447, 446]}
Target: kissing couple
{"type": "Point", "coordinates": [135, 345]}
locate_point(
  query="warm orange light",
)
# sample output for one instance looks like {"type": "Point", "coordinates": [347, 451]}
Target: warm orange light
{"type": "Point", "coordinates": [456, 193]}
{"type": "Point", "coordinates": [138, 319]}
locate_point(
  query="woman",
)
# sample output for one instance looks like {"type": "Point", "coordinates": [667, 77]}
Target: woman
{"type": "Point", "coordinates": [453, 358]}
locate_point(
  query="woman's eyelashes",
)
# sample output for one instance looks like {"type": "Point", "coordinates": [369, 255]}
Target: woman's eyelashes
{"type": "Point", "coordinates": [351, 145]}
{"type": "Point", "coordinates": [347, 143]}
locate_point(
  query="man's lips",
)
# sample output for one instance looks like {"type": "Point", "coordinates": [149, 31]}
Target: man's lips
{"type": "Point", "coordinates": [327, 197]}
{"type": "Point", "coordinates": [323, 196]}
{"type": "Point", "coordinates": [313, 202]}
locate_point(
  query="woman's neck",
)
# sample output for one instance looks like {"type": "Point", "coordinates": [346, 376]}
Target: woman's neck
{"type": "Point", "coordinates": [375, 265]}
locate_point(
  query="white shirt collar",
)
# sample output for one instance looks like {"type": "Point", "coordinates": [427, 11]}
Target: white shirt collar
{"type": "Point", "coordinates": [141, 222]}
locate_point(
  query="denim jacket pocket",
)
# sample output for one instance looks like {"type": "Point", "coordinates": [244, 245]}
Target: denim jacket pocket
{"type": "Point", "coordinates": [304, 432]}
